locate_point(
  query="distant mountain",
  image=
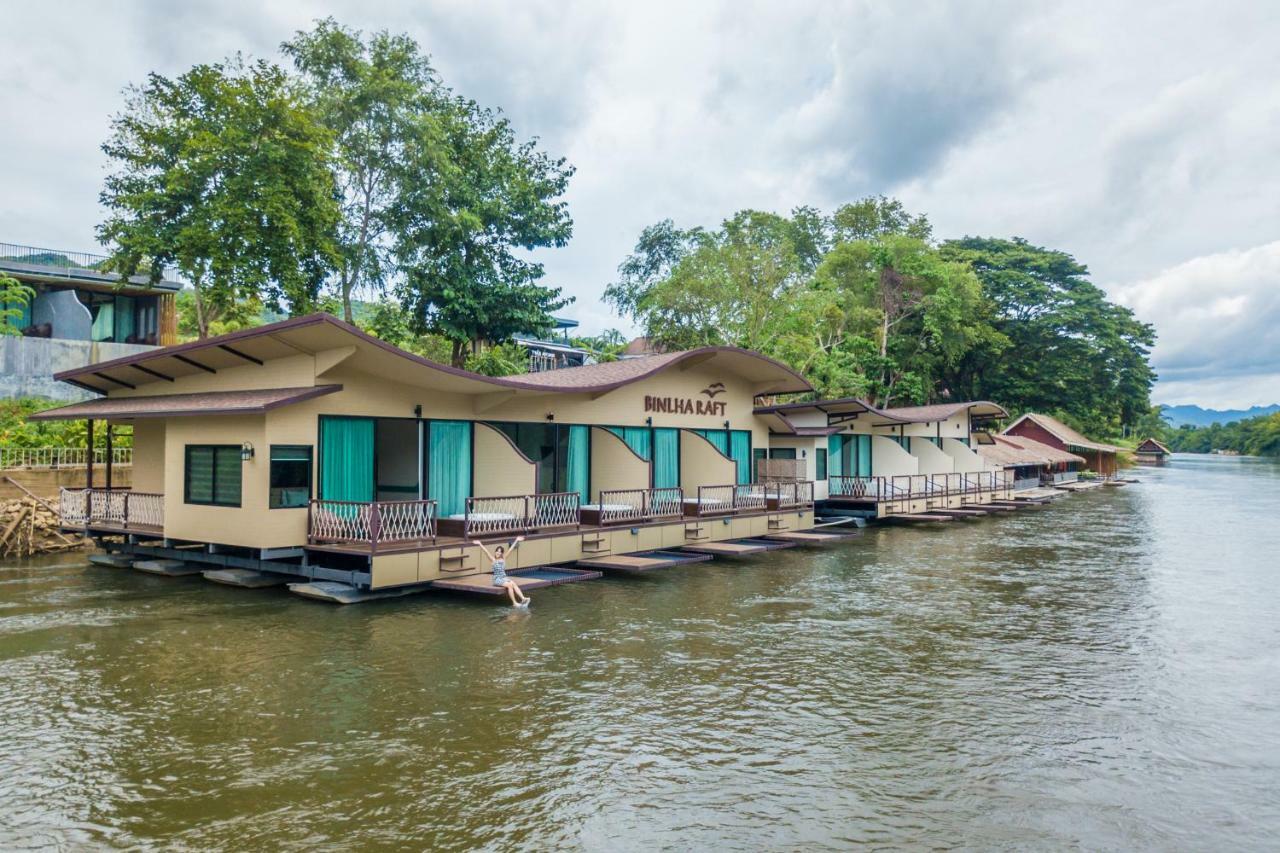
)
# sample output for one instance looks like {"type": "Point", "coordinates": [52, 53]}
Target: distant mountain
{"type": "Point", "coordinates": [1196, 416]}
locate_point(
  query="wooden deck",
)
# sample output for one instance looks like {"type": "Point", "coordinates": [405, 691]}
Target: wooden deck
{"type": "Point", "coordinates": [810, 537]}
{"type": "Point", "coordinates": [645, 561]}
{"type": "Point", "coordinates": [481, 583]}
{"type": "Point", "coordinates": [737, 547]}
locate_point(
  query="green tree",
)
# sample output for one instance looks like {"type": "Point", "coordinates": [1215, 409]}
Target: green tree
{"type": "Point", "coordinates": [1070, 349]}
{"type": "Point", "coordinates": [14, 297]}
{"type": "Point", "coordinates": [464, 224]}
{"type": "Point", "coordinates": [223, 173]}
{"type": "Point", "coordinates": [384, 104]}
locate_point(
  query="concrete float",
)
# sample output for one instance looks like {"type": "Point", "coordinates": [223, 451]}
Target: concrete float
{"type": "Point", "coordinates": [245, 578]}
{"type": "Point", "coordinates": [113, 561]}
{"type": "Point", "coordinates": [167, 568]}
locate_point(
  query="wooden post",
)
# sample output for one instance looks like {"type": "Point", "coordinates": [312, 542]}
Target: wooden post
{"type": "Point", "coordinates": [110, 430]}
{"type": "Point", "coordinates": [88, 474]}
{"type": "Point", "coordinates": [375, 527]}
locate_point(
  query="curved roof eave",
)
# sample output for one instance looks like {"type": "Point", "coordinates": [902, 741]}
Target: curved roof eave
{"type": "Point", "coordinates": [792, 381]}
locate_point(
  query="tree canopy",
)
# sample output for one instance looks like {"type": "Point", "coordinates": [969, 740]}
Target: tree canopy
{"type": "Point", "coordinates": [222, 173]}
{"type": "Point", "coordinates": [866, 303]}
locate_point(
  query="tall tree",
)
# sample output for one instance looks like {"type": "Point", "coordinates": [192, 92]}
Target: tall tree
{"type": "Point", "coordinates": [222, 173]}
{"type": "Point", "coordinates": [383, 102]}
{"type": "Point", "coordinates": [467, 213]}
{"type": "Point", "coordinates": [1071, 350]}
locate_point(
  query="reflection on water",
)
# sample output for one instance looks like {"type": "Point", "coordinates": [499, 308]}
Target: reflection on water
{"type": "Point", "coordinates": [1104, 672]}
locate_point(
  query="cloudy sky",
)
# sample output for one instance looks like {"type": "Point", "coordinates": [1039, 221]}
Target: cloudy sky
{"type": "Point", "coordinates": [1145, 140]}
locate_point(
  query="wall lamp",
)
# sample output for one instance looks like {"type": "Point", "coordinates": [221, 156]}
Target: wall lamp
{"type": "Point", "coordinates": [417, 411]}
{"type": "Point", "coordinates": [726, 424]}
{"type": "Point", "coordinates": [648, 421]}
{"type": "Point", "coordinates": [246, 452]}
{"type": "Point", "coordinates": [551, 416]}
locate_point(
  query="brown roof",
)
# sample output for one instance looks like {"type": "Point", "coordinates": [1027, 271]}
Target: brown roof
{"type": "Point", "coordinates": [1158, 446]}
{"type": "Point", "coordinates": [901, 414]}
{"type": "Point", "coordinates": [1010, 450]}
{"type": "Point", "coordinates": [315, 332]}
{"type": "Point", "coordinates": [1062, 432]}
{"type": "Point", "coordinates": [177, 405]}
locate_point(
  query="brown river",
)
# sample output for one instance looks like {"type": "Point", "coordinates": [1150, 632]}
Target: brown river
{"type": "Point", "coordinates": [1103, 673]}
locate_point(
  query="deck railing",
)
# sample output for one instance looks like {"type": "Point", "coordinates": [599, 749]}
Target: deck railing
{"type": "Point", "coordinates": [61, 457]}
{"type": "Point", "coordinates": [521, 513]}
{"type": "Point", "coordinates": [666, 502]}
{"type": "Point", "coordinates": [622, 505]}
{"type": "Point", "coordinates": [790, 494]}
{"type": "Point", "coordinates": [714, 500]}
{"type": "Point", "coordinates": [748, 497]}
{"type": "Point", "coordinates": [123, 509]}
{"type": "Point", "coordinates": [371, 523]}
{"type": "Point", "coordinates": [869, 488]}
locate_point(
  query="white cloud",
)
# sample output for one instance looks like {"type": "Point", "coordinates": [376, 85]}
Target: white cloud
{"type": "Point", "coordinates": [1136, 137]}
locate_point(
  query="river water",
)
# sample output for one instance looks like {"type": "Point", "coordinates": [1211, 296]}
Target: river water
{"type": "Point", "coordinates": [1102, 673]}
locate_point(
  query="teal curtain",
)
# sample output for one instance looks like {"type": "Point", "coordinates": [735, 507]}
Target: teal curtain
{"type": "Point", "coordinates": [346, 459]}
{"type": "Point", "coordinates": [637, 438]}
{"type": "Point", "coordinates": [449, 466]}
{"type": "Point", "coordinates": [23, 318]}
{"type": "Point", "coordinates": [719, 439]}
{"type": "Point", "coordinates": [104, 325]}
{"type": "Point", "coordinates": [578, 464]}
{"type": "Point", "coordinates": [835, 456]}
{"type": "Point", "coordinates": [124, 318]}
{"type": "Point", "coordinates": [666, 458]}
{"type": "Point", "coordinates": [740, 452]}
{"type": "Point", "coordinates": [864, 455]}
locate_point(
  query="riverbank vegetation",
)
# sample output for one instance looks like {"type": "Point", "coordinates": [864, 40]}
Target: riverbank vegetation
{"type": "Point", "coordinates": [1258, 436]}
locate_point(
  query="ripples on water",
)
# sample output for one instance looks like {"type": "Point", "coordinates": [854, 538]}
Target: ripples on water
{"type": "Point", "coordinates": [1101, 673]}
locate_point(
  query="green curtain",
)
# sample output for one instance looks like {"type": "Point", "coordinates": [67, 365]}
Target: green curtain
{"type": "Point", "coordinates": [740, 452]}
{"type": "Point", "coordinates": [864, 455]}
{"type": "Point", "coordinates": [23, 319]}
{"type": "Point", "coordinates": [637, 438]}
{"type": "Point", "coordinates": [835, 456]}
{"type": "Point", "coordinates": [346, 459]}
{"type": "Point", "coordinates": [666, 458]}
{"type": "Point", "coordinates": [124, 318]}
{"type": "Point", "coordinates": [578, 464]}
{"type": "Point", "coordinates": [449, 466]}
{"type": "Point", "coordinates": [104, 325]}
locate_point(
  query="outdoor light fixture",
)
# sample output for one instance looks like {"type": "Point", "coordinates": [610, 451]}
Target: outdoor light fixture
{"type": "Point", "coordinates": [246, 452]}
{"type": "Point", "coordinates": [648, 421]}
{"type": "Point", "coordinates": [726, 424]}
{"type": "Point", "coordinates": [551, 416]}
{"type": "Point", "coordinates": [417, 411]}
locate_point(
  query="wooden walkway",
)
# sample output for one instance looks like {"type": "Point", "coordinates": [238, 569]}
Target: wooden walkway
{"type": "Point", "coordinates": [737, 547]}
{"type": "Point", "coordinates": [526, 579]}
{"type": "Point", "coordinates": [645, 561]}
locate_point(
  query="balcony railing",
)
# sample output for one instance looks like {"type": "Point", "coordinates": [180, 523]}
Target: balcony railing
{"type": "Point", "coordinates": [620, 506]}
{"type": "Point", "coordinates": [120, 509]}
{"type": "Point", "coordinates": [370, 523]}
{"type": "Point", "coordinates": [859, 488]}
{"type": "Point", "coordinates": [491, 516]}
{"type": "Point", "coordinates": [789, 495]}
{"type": "Point", "coordinates": [61, 457]}
{"type": "Point", "coordinates": [55, 259]}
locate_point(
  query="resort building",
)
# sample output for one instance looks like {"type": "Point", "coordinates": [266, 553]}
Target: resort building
{"type": "Point", "coordinates": [555, 351]}
{"type": "Point", "coordinates": [1029, 463]}
{"type": "Point", "coordinates": [311, 448]}
{"type": "Point", "coordinates": [884, 462]}
{"type": "Point", "coordinates": [1152, 452]}
{"type": "Point", "coordinates": [1099, 458]}
{"type": "Point", "coordinates": [79, 315]}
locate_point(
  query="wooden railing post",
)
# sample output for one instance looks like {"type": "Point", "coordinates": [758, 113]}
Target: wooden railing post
{"type": "Point", "coordinates": [375, 526]}
{"type": "Point", "coordinates": [124, 521]}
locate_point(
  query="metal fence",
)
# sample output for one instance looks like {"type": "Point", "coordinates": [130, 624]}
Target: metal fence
{"type": "Point", "coordinates": [54, 259]}
{"type": "Point", "coordinates": [371, 523]}
{"type": "Point", "coordinates": [118, 508]}
{"type": "Point", "coordinates": [61, 457]}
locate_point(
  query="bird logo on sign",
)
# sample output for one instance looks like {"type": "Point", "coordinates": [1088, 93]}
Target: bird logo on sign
{"type": "Point", "coordinates": [714, 390]}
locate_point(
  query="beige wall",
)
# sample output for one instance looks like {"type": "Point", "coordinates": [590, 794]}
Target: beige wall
{"type": "Point", "coordinates": [932, 460]}
{"type": "Point", "coordinates": [955, 426]}
{"type": "Point", "coordinates": [963, 457]}
{"type": "Point", "coordinates": [701, 464]}
{"type": "Point", "coordinates": [809, 445]}
{"type": "Point", "coordinates": [148, 455]}
{"type": "Point", "coordinates": [500, 468]}
{"type": "Point", "coordinates": [614, 465]}
{"type": "Point", "coordinates": [889, 459]}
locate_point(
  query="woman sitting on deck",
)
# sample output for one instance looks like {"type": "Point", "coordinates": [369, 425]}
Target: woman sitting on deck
{"type": "Point", "coordinates": [499, 559]}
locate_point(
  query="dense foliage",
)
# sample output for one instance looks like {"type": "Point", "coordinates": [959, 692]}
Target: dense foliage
{"type": "Point", "coordinates": [13, 296]}
{"type": "Point", "coordinates": [361, 172]}
{"type": "Point", "coordinates": [866, 303]}
{"type": "Point", "coordinates": [1252, 437]}
{"type": "Point", "coordinates": [18, 432]}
